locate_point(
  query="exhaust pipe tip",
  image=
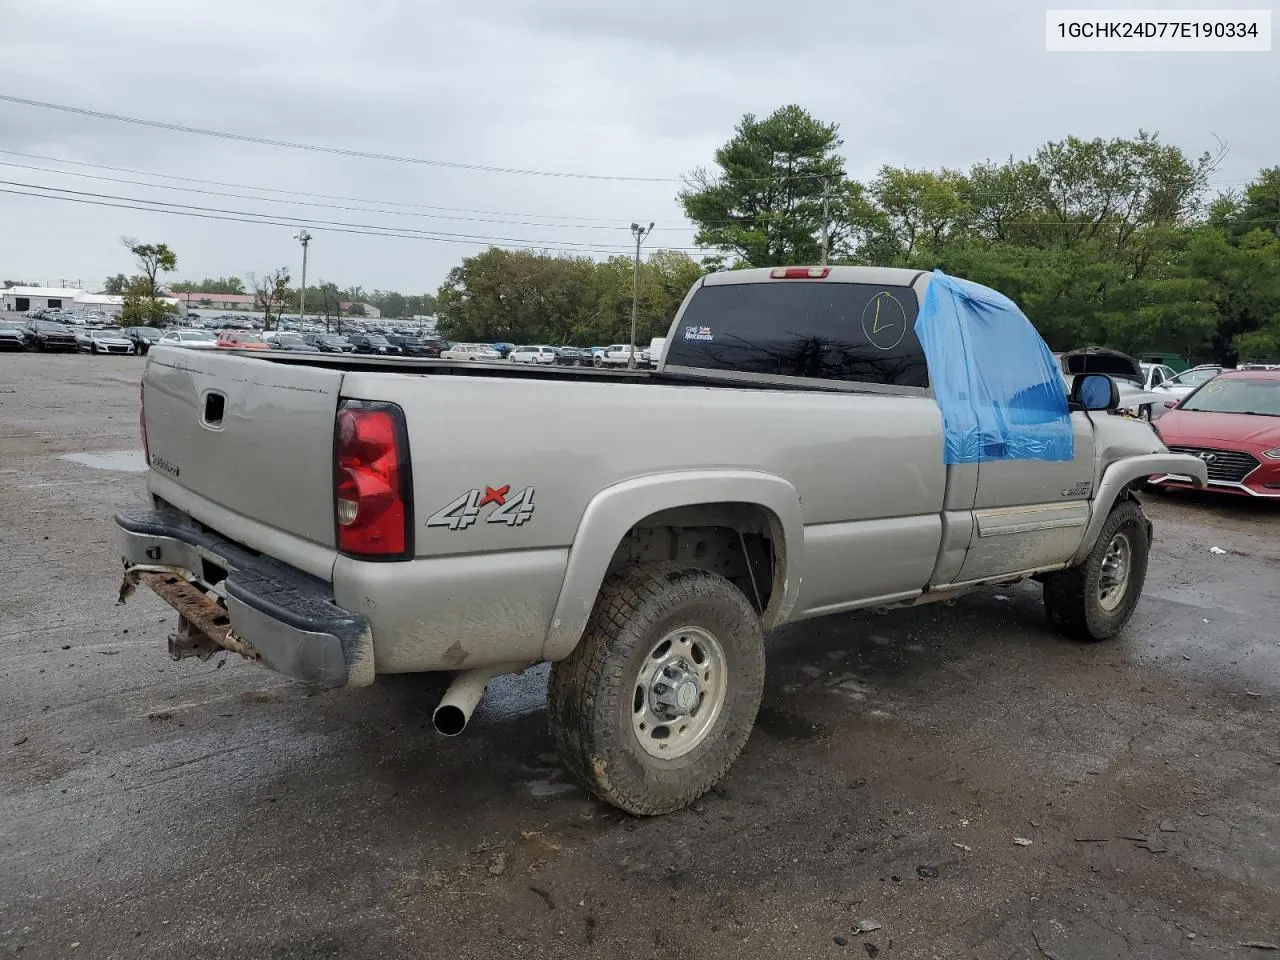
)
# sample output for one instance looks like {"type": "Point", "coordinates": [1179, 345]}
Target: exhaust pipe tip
{"type": "Point", "coordinates": [450, 720]}
{"type": "Point", "coordinates": [454, 710]}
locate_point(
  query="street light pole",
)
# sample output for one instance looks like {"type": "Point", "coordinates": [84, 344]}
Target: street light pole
{"type": "Point", "coordinates": [304, 238]}
{"type": "Point", "coordinates": [639, 233]}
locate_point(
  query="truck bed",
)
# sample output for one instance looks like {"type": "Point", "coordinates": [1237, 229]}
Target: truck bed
{"type": "Point", "coordinates": [363, 363]}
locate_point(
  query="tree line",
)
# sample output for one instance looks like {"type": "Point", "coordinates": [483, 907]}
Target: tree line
{"type": "Point", "coordinates": [519, 296]}
{"type": "Point", "coordinates": [271, 291]}
{"type": "Point", "coordinates": [1116, 242]}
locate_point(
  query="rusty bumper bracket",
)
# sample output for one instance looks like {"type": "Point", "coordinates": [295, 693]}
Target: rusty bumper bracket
{"type": "Point", "coordinates": [204, 627]}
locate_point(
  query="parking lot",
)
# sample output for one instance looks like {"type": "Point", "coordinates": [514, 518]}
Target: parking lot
{"type": "Point", "coordinates": [957, 778]}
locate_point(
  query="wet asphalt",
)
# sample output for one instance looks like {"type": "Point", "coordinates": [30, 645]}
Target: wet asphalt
{"type": "Point", "coordinates": [956, 777]}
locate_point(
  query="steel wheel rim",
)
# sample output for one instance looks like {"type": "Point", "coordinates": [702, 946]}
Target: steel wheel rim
{"type": "Point", "coordinates": [679, 692]}
{"type": "Point", "coordinates": [1113, 579]}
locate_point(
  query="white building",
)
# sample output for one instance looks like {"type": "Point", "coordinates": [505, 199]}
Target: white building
{"type": "Point", "coordinates": [23, 299]}
{"type": "Point", "coordinates": [106, 303]}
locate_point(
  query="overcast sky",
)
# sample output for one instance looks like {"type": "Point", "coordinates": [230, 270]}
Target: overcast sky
{"type": "Point", "coordinates": [641, 90]}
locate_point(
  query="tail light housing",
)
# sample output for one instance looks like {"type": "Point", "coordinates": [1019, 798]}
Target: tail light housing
{"type": "Point", "coordinates": [373, 502]}
{"type": "Point", "coordinates": [142, 421]}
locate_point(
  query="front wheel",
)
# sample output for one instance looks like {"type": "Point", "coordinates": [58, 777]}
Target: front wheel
{"type": "Point", "coordinates": [1094, 600]}
{"type": "Point", "coordinates": [599, 362]}
{"type": "Point", "coordinates": [654, 705]}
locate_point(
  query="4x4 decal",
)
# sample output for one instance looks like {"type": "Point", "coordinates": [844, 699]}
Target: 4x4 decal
{"type": "Point", "coordinates": [461, 512]}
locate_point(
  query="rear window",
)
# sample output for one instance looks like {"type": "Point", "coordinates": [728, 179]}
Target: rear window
{"type": "Point", "coordinates": [853, 332]}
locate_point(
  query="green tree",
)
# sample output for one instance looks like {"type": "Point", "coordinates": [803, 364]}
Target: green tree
{"type": "Point", "coordinates": [116, 286]}
{"type": "Point", "coordinates": [140, 309]}
{"type": "Point", "coordinates": [523, 297]}
{"type": "Point", "coordinates": [143, 304]}
{"type": "Point", "coordinates": [271, 294]}
{"type": "Point", "coordinates": [763, 206]}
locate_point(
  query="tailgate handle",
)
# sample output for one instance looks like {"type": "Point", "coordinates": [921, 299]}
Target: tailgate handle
{"type": "Point", "coordinates": [215, 404]}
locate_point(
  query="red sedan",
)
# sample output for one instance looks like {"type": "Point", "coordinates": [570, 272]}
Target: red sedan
{"type": "Point", "coordinates": [1232, 423]}
{"type": "Point", "coordinates": [241, 340]}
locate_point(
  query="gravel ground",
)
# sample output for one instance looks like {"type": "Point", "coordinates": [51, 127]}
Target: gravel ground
{"type": "Point", "coordinates": [159, 809]}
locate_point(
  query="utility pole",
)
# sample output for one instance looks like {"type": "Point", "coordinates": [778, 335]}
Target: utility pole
{"type": "Point", "coordinates": [304, 238]}
{"type": "Point", "coordinates": [639, 233]}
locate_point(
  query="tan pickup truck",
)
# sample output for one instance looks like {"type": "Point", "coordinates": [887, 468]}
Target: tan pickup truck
{"type": "Point", "coordinates": [337, 517]}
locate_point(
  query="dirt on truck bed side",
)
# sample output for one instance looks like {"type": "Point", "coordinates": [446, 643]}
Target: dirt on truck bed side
{"type": "Point", "coordinates": [155, 809]}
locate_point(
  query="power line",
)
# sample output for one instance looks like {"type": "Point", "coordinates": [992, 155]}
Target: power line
{"type": "Point", "coordinates": [306, 203]}
{"type": "Point", "coordinates": [318, 148]}
{"type": "Point", "coordinates": [612, 222]}
{"type": "Point", "coordinates": [242, 216]}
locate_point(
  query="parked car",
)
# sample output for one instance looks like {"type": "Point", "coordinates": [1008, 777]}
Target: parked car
{"type": "Point", "coordinates": [545, 355]}
{"type": "Point", "coordinates": [143, 338]}
{"type": "Point", "coordinates": [1232, 424]}
{"type": "Point", "coordinates": [50, 336]}
{"type": "Point", "coordinates": [287, 340]}
{"type": "Point", "coordinates": [191, 339]}
{"type": "Point", "coordinates": [329, 342]}
{"type": "Point", "coordinates": [1155, 374]}
{"type": "Point", "coordinates": [411, 345]}
{"type": "Point", "coordinates": [1182, 384]}
{"type": "Point", "coordinates": [10, 336]}
{"type": "Point", "coordinates": [241, 340]}
{"type": "Point", "coordinates": [104, 340]}
{"type": "Point", "coordinates": [471, 351]}
{"type": "Point", "coordinates": [650, 576]}
{"type": "Point", "coordinates": [374, 343]}
{"type": "Point", "coordinates": [503, 349]}
{"type": "Point", "coordinates": [616, 355]}
{"type": "Point", "coordinates": [573, 357]}
{"type": "Point", "coordinates": [653, 353]}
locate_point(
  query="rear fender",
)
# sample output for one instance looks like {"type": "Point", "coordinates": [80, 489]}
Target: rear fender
{"type": "Point", "coordinates": [1121, 475]}
{"type": "Point", "coordinates": [617, 509]}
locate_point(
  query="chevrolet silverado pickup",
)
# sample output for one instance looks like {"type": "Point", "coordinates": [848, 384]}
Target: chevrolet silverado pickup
{"type": "Point", "coordinates": [337, 516]}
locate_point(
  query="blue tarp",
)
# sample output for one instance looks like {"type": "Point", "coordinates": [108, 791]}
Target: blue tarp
{"type": "Point", "coordinates": [997, 384]}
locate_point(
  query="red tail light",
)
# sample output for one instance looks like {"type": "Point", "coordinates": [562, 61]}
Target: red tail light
{"type": "Point", "coordinates": [142, 421]}
{"type": "Point", "coordinates": [372, 482]}
{"type": "Point", "coordinates": [799, 273]}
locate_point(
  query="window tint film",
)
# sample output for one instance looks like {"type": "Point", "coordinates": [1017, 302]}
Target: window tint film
{"type": "Point", "coordinates": [856, 332]}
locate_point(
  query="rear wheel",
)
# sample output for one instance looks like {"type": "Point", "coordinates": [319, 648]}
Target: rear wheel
{"type": "Point", "coordinates": [1094, 600]}
{"type": "Point", "coordinates": [657, 701]}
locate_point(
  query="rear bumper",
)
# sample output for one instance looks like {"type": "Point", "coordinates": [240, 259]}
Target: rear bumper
{"type": "Point", "coordinates": [246, 602]}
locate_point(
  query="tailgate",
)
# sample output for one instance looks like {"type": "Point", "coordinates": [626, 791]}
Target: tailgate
{"type": "Point", "coordinates": [253, 436]}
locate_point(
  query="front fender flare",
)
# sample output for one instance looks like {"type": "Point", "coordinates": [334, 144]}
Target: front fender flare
{"type": "Point", "coordinates": [615, 510]}
{"type": "Point", "coordinates": [1119, 475]}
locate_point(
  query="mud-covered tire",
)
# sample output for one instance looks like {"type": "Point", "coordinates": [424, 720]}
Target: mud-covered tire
{"type": "Point", "coordinates": [1077, 600]}
{"type": "Point", "coordinates": [593, 693]}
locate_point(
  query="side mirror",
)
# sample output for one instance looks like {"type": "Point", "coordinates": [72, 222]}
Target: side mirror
{"type": "Point", "coordinates": [1095, 391]}
{"type": "Point", "coordinates": [1170, 404]}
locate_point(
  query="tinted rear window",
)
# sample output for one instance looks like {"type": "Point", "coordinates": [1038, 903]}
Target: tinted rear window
{"type": "Point", "coordinates": [858, 332]}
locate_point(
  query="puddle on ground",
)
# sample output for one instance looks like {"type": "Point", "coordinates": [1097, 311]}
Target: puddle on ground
{"type": "Point", "coordinates": [122, 461]}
